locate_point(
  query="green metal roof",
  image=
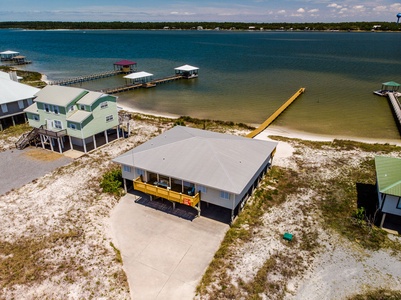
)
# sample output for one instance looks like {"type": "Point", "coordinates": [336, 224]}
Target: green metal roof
{"type": "Point", "coordinates": [388, 173]}
{"type": "Point", "coordinates": [391, 83]}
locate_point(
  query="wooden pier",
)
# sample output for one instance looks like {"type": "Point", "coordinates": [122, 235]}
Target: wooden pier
{"type": "Point", "coordinates": [81, 79]}
{"type": "Point", "coordinates": [395, 103]}
{"type": "Point", "coordinates": [147, 85]}
{"type": "Point", "coordinates": [266, 123]}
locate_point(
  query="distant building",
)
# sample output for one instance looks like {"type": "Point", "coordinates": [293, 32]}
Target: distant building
{"type": "Point", "coordinates": [14, 98]}
{"type": "Point", "coordinates": [66, 116]}
{"type": "Point", "coordinates": [188, 165]}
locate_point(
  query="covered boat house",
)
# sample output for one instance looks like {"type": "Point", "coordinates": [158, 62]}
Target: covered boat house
{"type": "Point", "coordinates": [388, 87]}
{"type": "Point", "coordinates": [388, 177]}
{"type": "Point", "coordinates": [8, 55]}
{"type": "Point", "coordinates": [188, 166]}
{"type": "Point", "coordinates": [141, 78]}
{"type": "Point", "coordinates": [187, 71]}
{"type": "Point", "coordinates": [125, 66]}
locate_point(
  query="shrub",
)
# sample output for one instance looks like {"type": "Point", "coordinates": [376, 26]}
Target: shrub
{"type": "Point", "coordinates": [112, 182]}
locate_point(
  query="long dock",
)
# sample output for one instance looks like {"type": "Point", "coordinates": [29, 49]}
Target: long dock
{"type": "Point", "coordinates": [149, 84]}
{"type": "Point", "coordinates": [80, 79]}
{"type": "Point", "coordinates": [395, 103]}
{"type": "Point", "coordinates": [266, 123]}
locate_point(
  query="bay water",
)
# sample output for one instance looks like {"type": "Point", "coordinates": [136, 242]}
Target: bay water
{"type": "Point", "coordinates": [243, 76]}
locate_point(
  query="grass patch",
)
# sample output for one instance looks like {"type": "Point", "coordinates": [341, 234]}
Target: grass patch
{"type": "Point", "coordinates": [276, 186]}
{"type": "Point", "coordinates": [117, 252]}
{"type": "Point", "coordinates": [22, 261]}
{"type": "Point", "coordinates": [379, 294]}
{"type": "Point", "coordinates": [15, 131]}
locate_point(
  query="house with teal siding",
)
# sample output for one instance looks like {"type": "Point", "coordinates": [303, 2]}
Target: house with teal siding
{"type": "Point", "coordinates": [68, 117]}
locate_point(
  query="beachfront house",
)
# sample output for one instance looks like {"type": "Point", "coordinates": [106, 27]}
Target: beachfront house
{"type": "Point", "coordinates": [14, 98]}
{"type": "Point", "coordinates": [67, 117]}
{"type": "Point", "coordinates": [388, 176]}
{"type": "Point", "coordinates": [188, 165]}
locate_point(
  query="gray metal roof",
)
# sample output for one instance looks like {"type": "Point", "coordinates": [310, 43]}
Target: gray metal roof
{"type": "Point", "coordinates": [59, 95]}
{"type": "Point", "coordinates": [90, 98]}
{"type": "Point", "coordinates": [79, 116]}
{"type": "Point", "coordinates": [11, 91]}
{"type": "Point", "coordinates": [221, 161]}
{"type": "Point", "coordinates": [388, 173]}
{"type": "Point", "coordinates": [32, 108]}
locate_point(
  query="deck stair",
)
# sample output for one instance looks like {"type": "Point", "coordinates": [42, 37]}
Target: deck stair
{"type": "Point", "coordinates": [27, 138]}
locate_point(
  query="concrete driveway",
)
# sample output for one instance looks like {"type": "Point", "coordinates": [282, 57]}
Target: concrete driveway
{"type": "Point", "coordinates": [164, 255]}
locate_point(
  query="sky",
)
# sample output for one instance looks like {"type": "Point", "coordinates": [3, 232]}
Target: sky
{"type": "Point", "coordinates": [258, 11]}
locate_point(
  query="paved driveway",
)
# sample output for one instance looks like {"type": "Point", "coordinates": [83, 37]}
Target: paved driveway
{"type": "Point", "coordinates": [164, 255]}
{"type": "Point", "coordinates": [19, 167]}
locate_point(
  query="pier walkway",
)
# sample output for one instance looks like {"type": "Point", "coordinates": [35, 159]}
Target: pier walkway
{"type": "Point", "coordinates": [80, 79]}
{"type": "Point", "coordinates": [266, 123]}
{"type": "Point", "coordinates": [149, 84]}
{"type": "Point", "coordinates": [396, 107]}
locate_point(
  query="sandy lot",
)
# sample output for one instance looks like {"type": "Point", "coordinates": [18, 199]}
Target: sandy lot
{"type": "Point", "coordinates": [56, 234]}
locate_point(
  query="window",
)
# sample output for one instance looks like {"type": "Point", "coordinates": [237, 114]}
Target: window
{"type": "Point", "coordinates": [202, 189]}
{"type": "Point", "coordinates": [30, 102]}
{"type": "Point", "coordinates": [399, 203]}
{"type": "Point", "coordinates": [82, 107]}
{"type": "Point", "coordinates": [4, 108]}
{"type": "Point", "coordinates": [57, 124]}
{"type": "Point", "coordinates": [21, 104]}
{"type": "Point", "coordinates": [224, 195]}
{"type": "Point", "coordinates": [73, 126]}
{"type": "Point", "coordinates": [104, 105]}
{"type": "Point", "coordinates": [109, 118]}
{"type": "Point", "coordinates": [71, 108]}
{"type": "Point", "coordinates": [47, 107]}
{"type": "Point", "coordinates": [140, 172]}
{"type": "Point", "coordinates": [35, 117]}
{"type": "Point", "coordinates": [127, 168]}
{"type": "Point", "coordinates": [55, 109]}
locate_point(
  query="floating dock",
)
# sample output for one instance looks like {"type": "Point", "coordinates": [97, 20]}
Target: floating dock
{"type": "Point", "coordinates": [266, 123]}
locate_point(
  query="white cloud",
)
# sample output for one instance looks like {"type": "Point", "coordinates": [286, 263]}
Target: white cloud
{"type": "Point", "coordinates": [281, 12]}
{"type": "Point", "coordinates": [334, 5]}
{"type": "Point", "coordinates": [359, 8]}
{"type": "Point", "coordinates": [315, 10]}
{"type": "Point", "coordinates": [301, 10]}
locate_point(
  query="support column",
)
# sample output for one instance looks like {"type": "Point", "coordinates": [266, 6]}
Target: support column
{"type": "Point", "coordinates": [382, 221]}
{"type": "Point", "coordinates": [59, 146]}
{"type": "Point", "coordinates": [51, 143]}
{"type": "Point", "coordinates": [128, 129]}
{"type": "Point", "coordinates": [12, 118]}
{"type": "Point", "coordinates": [84, 143]}
{"type": "Point", "coordinates": [106, 137]}
{"type": "Point", "coordinates": [41, 140]}
{"type": "Point", "coordinates": [125, 184]}
{"type": "Point", "coordinates": [69, 137]}
{"type": "Point", "coordinates": [94, 141]}
{"type": "Point", "coordinates": [118, 131]}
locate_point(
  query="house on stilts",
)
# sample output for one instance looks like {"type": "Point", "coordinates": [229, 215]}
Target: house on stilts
{"type": "Point", "coordinates": [71, 118]}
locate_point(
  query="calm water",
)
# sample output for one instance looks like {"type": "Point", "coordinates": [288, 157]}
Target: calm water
{"type": "Point", "coordinates": [244, 76]}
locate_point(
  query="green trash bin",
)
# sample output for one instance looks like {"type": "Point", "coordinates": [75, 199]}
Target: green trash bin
{"type": "Point", "coordinates": [287, 236]}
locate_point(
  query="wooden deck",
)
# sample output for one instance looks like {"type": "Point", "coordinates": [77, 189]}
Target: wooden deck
{"type": "Point", "coordinates": [266, 123]}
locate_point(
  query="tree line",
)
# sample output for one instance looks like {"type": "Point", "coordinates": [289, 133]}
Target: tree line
{"type": "Point", "coordinates": [343, 26]}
